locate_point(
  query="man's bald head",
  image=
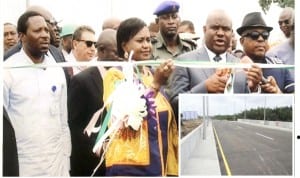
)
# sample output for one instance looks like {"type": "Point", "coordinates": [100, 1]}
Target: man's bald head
{"type": "Point", "coordinates": [218, 15]}
{"type": "Point", "coordinates": [287, 11]}
{"type": "Point", "coordinates": [286, 21]}
{"type": "Point", "coordinates": [107, 36]}
{"type": "Point", "coordinates": [218, 31]}
{"type": "Point", "coordinates": [111, 23]}
{"type": "Point", "coordinates": [107, 45]}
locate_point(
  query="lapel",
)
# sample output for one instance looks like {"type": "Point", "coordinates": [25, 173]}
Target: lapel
{"type": "Point", "coordinates": [203, 56]}
{"type": "Point", "coordinates": [96, 78]}
{"type": "Point", "coordinates": [231, 58]}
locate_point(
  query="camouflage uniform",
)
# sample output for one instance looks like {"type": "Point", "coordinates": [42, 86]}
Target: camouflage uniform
{"type": "Point", "coordinates": [160, 50]}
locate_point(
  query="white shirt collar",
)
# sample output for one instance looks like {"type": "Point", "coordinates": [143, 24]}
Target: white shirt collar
{"type": "Point", "coordinates": [48, 58]}
{"type": "Point", "coordinates": [211, 55]}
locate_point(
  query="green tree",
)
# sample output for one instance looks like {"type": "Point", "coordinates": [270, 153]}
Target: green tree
{"type": "Point", "coordinates": [265, 4]}
{"type": "Point", "coordinates": [276, 114]}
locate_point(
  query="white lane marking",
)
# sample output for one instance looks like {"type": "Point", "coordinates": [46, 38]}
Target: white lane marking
{"type": "Point", "coordinates": [264, 136]}
{"type": "Point", "coordinates": [239, 127]}
{"type": "Point", "coordinates": [261, 158]}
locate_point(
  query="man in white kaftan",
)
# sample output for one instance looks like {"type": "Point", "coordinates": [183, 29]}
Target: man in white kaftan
{"type": "Point", "coordinates": [36, 102]}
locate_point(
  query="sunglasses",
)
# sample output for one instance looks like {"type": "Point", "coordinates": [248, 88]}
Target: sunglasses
{"type": "Point", "coordinates": [255, 35]}
{"type": "Point", "coordinates": [283, 21]}
{"type": "Point", "coordinates": [89, 43]}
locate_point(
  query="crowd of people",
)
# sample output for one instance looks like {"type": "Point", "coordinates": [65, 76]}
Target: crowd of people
{"type": "Point", "coordinates": [49, 111]}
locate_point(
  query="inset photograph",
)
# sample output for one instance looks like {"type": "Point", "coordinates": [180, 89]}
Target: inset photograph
{"type": "Point", "coordinates": [238, 135]}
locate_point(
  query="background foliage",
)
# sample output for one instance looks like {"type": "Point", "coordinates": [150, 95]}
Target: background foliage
{"type": "Point", "coordinates": [276, 114]}
{"type": "Point", "coordinates": [265, 4]}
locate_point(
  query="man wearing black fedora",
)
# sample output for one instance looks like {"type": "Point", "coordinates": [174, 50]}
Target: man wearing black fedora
{"type": "Point", "coordinates": [254, 38]}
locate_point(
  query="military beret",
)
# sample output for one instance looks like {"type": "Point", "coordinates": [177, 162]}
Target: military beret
{"type": "Point", "coordinates": [166, 7]}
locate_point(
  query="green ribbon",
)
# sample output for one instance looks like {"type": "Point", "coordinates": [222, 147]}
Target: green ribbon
{"type": "Point", "coordinates": [181, 63]}
{"type": "Point", "coordinates": [104, 125]}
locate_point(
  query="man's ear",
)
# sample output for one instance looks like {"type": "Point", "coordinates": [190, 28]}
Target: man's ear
{"type": "Point", "coordinates": [204, 29]}
{"type": "Point", "coordinates": [21, 36]}
{"type": "Point", "coordinates": [241, 41]}
{"type": "Point", "coordinates": [101, 48]}
{"type": "Point", "coordinates": [74, 44]}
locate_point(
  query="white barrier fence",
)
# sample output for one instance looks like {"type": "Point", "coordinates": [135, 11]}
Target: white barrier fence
{"type": "Point", "coordinates": [188, 143]}
{"type": "Point", "coordinates": [279, 124]}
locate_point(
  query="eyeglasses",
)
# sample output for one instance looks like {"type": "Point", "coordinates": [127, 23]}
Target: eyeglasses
{"type": "Point", "coordinates": [283, 21]}
{"type": "Point", "coordinates": [52, 22]}
{"type": "Point", "coordinates": [88, 43]}
{"type": "Point", "coordinates": [255, 35]}
{"type": "Point", "coordinates": [59, 29]}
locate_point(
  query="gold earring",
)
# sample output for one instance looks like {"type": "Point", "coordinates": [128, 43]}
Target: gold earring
{"type": "Point", "coordinates": [126, 55]}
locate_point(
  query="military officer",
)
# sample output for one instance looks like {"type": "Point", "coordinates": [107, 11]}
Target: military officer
{"type": "Point", "coordinates": [168, 43]}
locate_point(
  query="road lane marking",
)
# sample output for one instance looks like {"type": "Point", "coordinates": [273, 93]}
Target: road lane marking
{"type": "Point", "coordinates": [239, 127]}
{"type": "Point", "coordinates": [261, 158]}
{"type": "Point", "coordinates": [264, 136]}
{"type": "Point", "coordinates": [259, 155]}
{"type": "Point", "coordinates": [222, 153]}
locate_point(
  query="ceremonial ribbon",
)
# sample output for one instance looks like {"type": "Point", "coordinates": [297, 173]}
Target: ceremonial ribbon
{"type": "Point", "coordinates": [181, 63]}
{"type": "Point", "coordinates": [128, 71]}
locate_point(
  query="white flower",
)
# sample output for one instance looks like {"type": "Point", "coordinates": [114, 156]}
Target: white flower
{"type": "Point", "coordinates": [128, 106]}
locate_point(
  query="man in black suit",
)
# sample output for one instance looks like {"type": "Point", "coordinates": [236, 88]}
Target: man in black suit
{"type": "Point", "coordinates": [10, 154]}
{"type": "Point", "coordinates": [85, 97]}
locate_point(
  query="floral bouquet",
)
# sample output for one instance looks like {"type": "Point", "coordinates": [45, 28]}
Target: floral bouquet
{"type": "Point", "coordinates": [129, 103]}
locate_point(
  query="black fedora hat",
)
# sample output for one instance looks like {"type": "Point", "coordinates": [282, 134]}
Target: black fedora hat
{"type": "Point", "coordinates": [253, 20]}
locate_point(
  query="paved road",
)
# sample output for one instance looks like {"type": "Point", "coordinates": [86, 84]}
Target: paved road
{"type": "Point", "coordinates": [251, 150]}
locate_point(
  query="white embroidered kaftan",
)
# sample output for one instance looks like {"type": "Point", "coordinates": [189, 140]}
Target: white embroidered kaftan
{"type": "Point", "coordinates": [36, 102]}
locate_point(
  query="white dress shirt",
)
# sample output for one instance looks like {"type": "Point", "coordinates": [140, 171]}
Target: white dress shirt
{"type": "Point", "coordinates": [36, 102]}
{"type": "Point", "coordinates": [211, 56]}
{"type": "Point", "coordinates": [76, 69]}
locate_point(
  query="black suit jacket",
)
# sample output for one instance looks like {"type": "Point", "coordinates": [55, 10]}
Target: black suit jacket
{"type": "Point", "coordinates": [10, 154]}
{"type": "Point", "coordinates": [85, 97]}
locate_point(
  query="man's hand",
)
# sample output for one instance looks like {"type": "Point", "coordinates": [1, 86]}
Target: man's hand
{"type": "Point", "coordinates": [254, 74]}
{"type": "Point", "coordinates": [216, 83]}
{"type": "Point", "coordinates": [254, 77]}
{"type": "Point", "coordinates": [270, 86]}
